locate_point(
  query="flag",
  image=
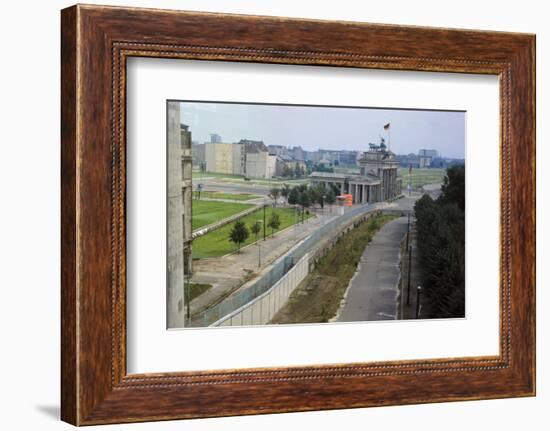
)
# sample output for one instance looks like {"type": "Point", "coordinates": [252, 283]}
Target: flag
{"type": "Point", "coordinates": [387, 126]}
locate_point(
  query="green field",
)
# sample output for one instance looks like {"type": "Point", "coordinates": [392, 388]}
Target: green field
{"type": "Point", "coordinates": [216, 243]}
{"type": "Point", "coordinates": [208, 212]}
{"type": "Point", "coordinates": [230, 196]}
{"type": "Point", "coordinates": [421, 177]}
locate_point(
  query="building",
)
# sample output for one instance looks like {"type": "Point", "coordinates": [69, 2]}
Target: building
{"type": "Point", "coordinates": [260, 164]}
{"type": "Point", "coordinates": [297, 153]}
{"type": "Point", "coordinates": [425, 158]}
{"type": "Point", "coordinates": [278, 150]}
{"type": "Point", "coordinates": [179, 196]}
{"type": "Point", "coordinates": [215, 138]}
{"type": "Point", "coordinates": [219, 157]}
{"type": "Point", "coordinates": [199, 155]}
{"type": "Point", "coordinates": [377, 181]}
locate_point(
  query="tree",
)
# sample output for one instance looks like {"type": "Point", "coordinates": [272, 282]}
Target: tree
{"type": "Point", "coordinates": [452, 189]}
{"type": "Point", "coordinates": [285, 190]}
{"type": "Point", "coordinates": [238, 234]}
{"type": "Point", "coordinates": [440, 239]}
{"type": "Point", "coordinates": [256, 228]}
{"type": "Point", "coordinates": [297, 170]}
{"type": "Point", "coordinates": [330, 197]}
{"type": "Point", "coordinates": [274, 194]}
{"type": "Point", "coordinates": [293, 196]}
{"type": "Point", "coordinates": [287, 171]}
{"type": "Point", "coordinates": [304, 200]}
{"type": "Point", "coordinates": [274, 222]}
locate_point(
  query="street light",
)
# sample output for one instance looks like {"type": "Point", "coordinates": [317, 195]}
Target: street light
{"type": "Point", "coordinates": [259, 247]}
{"type": "Point", "coordinates": [265, 204]}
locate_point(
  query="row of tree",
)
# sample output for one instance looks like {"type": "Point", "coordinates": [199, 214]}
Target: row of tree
{"type": "Point", "coordinates": [304, 195]}
{"type": "Point", "coordinates": [240, 232]}
{"type": "Point", "coordinates": [441, 246]}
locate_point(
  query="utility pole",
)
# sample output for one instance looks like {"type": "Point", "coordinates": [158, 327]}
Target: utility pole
{"type": "Point", "coordinates": [188, 298]}
{"type": "Point", "coordinates": [409, 278]}
{"type": "Point", "coordinates": [408, 228]}
{"type": "Point", "coordinates": [418, 294]}
{"type": "Point", "coordinates": [264, 219]}
{"type": "Point", "coordinates": [259, 255]}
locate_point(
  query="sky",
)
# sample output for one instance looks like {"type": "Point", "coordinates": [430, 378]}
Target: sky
{"type": "Point", "coordinates": [328, 128]}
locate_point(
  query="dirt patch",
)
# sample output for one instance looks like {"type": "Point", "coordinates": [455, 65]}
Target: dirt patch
{"type": "Point", "coordinates": [318, 292]}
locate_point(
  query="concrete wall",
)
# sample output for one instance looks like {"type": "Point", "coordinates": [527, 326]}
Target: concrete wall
{"type": "Point", "coordinates": [175, 235]}
{"type": "Point", "coordinates": [262, 309]}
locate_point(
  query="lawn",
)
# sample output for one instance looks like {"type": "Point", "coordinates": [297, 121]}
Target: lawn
{"type": "Point", "coordinates": [217, 243]}
{"type": "Point", "coordinates": [208, 212]}
{"type": "Point", "coordinates": [420, 177]}
{"type": "Point", "coordinates": [230, 196]}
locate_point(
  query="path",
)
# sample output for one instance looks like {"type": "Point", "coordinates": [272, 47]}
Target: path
{"type": "Point", "coordinates": [373, 292]}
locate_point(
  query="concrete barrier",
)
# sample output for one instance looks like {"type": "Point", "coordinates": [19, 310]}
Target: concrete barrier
{"type": "Point", "coordinates": [261, 309]}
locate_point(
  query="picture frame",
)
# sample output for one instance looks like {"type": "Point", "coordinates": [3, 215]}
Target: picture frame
{"type": "Point", "coordinates": [96, 42]}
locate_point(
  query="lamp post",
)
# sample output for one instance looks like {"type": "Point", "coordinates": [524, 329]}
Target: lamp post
{"type": "Point", "coordinates": [259, 249]}
{"type": "Point", "coordinates": [188, 290]}
{"type": "Point", "coordinates": [265, 204]}
{"type": "Point", "coordinates": [418, 294]}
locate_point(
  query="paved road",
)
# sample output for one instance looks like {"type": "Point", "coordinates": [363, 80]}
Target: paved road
{"type": "Point", "coordinates": [373, 292]}
{"type": "Point", "coordinates": [212, 184]}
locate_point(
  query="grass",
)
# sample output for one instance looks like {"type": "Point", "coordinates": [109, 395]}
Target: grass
{"type": "Point", "coordinates": [197, 289]}
{"type": "Point", "coordinates": [421, 177]}
{"type": "Point", "coordinates": [229, 196]}
{"type": "Point", "coordinates": [208, 212]}
{"type": "Point", "coordinates": [216, 243]}
{"type": "Point", "coordinates": [317, 299]}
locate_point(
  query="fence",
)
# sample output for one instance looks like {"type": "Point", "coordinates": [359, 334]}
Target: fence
{"type": "Point", "coordinates": [281, 266]}
{"type": "Point", "coordinates": [261, 310]}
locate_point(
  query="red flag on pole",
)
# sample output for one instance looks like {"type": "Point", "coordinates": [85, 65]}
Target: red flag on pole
{"type": "Point", "coordinates": [387, 126]}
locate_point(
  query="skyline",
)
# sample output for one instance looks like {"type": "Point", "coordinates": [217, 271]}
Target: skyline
{"type": "Point", "coordinates": [328, 128]}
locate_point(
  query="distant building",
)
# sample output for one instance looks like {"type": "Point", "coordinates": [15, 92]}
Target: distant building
{"type": "Point", "coordinates": [410, 160]}
{"type": "Point", "coordinates": [219, 157]}
{"type": "Point", "coordinates": [297, 153]}
{"type": "Point", "coordinates": [198, 154]}
{"type": "Point", "coordinates": [215, 138]}
{"type": "Point", "coordinates": [425, 158]}
{"type": "Point", "coordinates": [278, 150]}
{"type": "Point", "coordinates": [378, 179]}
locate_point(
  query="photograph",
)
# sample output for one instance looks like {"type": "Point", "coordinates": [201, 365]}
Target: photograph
{"type": "Point", "coordinates": [283, 214]}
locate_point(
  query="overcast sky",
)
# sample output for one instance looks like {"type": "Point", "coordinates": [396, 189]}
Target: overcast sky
{"type": "Point", "coordinates": [328, 128]}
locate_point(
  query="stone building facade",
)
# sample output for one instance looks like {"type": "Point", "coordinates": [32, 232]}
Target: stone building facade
{"type": "Point", "coordinates": [179, 207]}
{"type": "Point", "coordinates": [377, 181]}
